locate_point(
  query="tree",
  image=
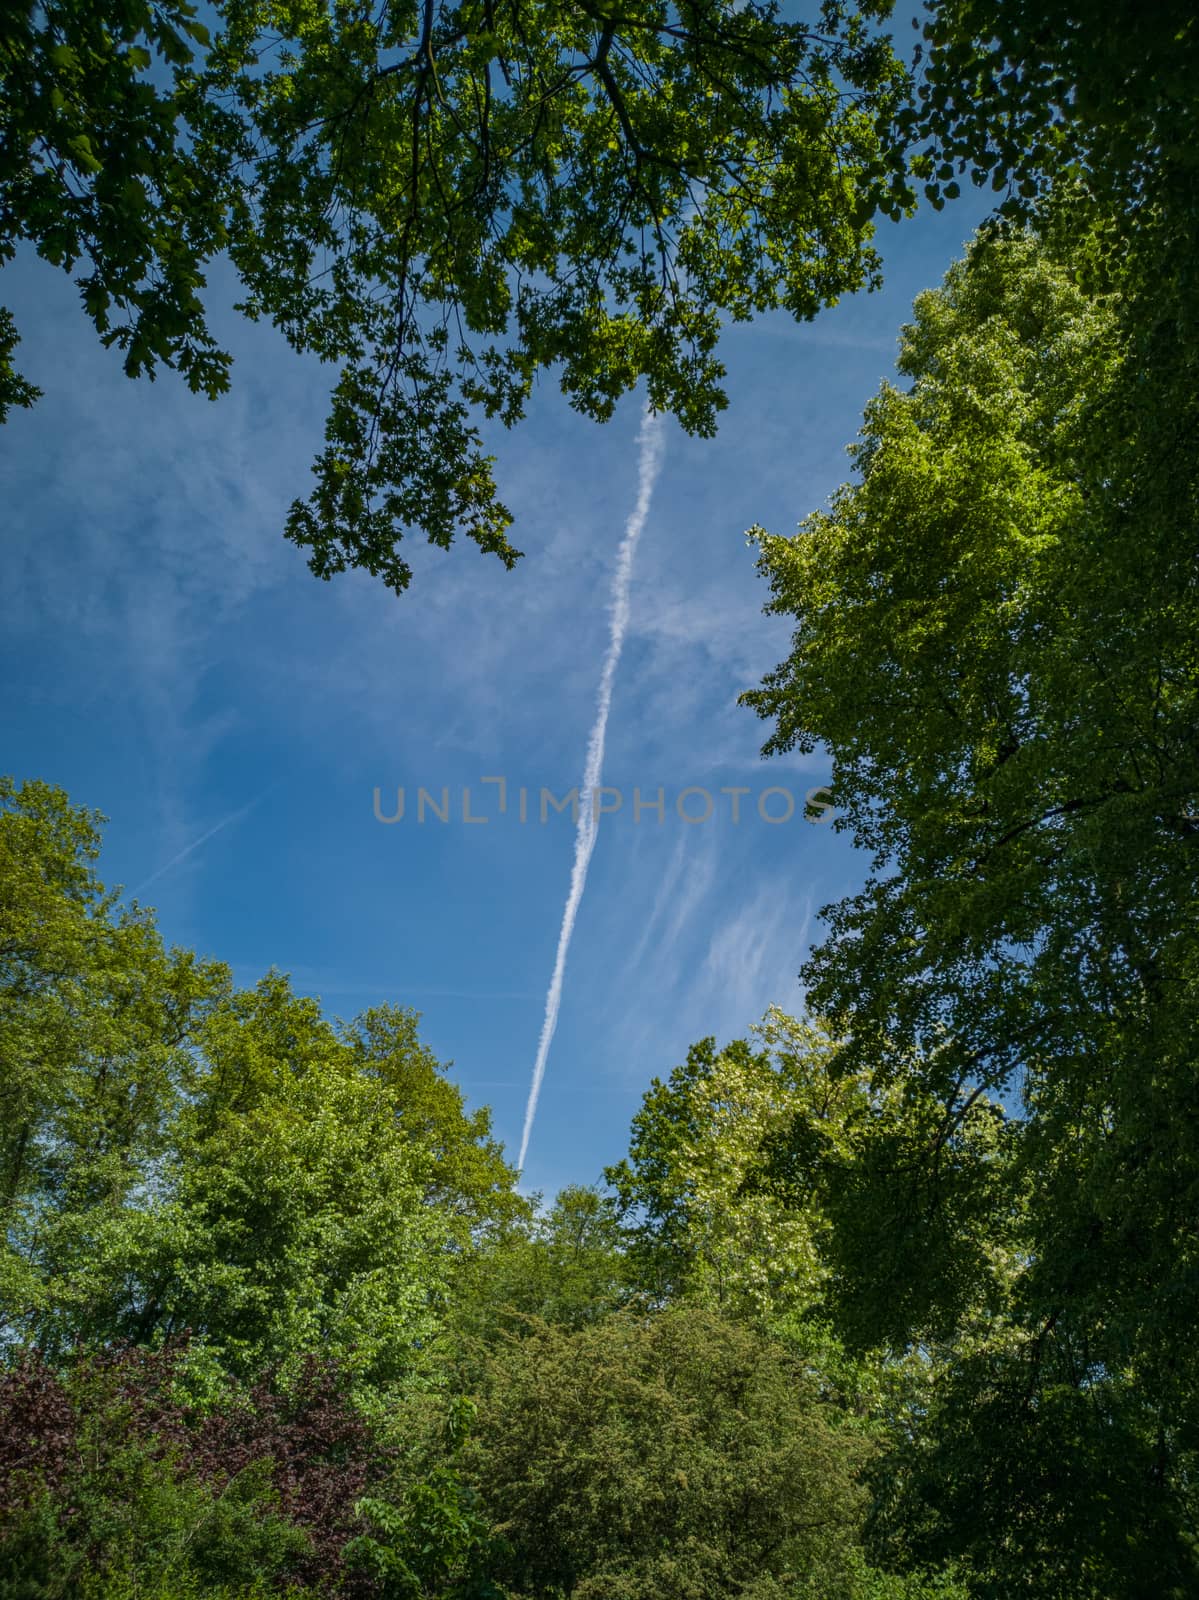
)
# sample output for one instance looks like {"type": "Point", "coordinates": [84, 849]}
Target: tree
{"type": "Point", "coordinates": [665, 1456]}
{"type": "Point", "coordinates": [181, 1155]}
{"type": "Point", "coordinates": [996, 639]}
{"type": "Point", "coordinates": [797, 1197]}
{"type": "Point", "coordinates": [114, 1482]}
{"type": "Point", "coordinates": [716, 1215]}
{"type": "Point", "coordinates": [95, 169]}
{"type": "Point", "coordinates": [564, 1266]}
{"type": "Point", "coordinates": [467, 1179]}
{"type": "Point", "coordinates": [446, 199]}
{"type": "Point", "coordinates": [1025, 95]}
{"type": "Point", "coordinates": [291, 1213]}
{"type": "Point", "coordinates": [96, 1023]}
{"type": "Point", "coordinates": [293, 1210]}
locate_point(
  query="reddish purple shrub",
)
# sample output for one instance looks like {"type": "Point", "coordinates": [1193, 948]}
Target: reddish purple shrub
{"type": "Point", "coordinates": [38, 1429]}
{"type": "Point", "coordinates": [322, 1455]}
{"type": "Point", "coordinates": [322, 1452]}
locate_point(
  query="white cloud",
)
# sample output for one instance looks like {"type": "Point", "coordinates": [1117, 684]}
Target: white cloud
{"type": "Point", "coordinates": [754, 957]}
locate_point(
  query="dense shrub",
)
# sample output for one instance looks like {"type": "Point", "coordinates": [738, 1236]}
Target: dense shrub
{"type": "Point", "coordinates": [677, 1456]}
{"type": "Point", "coordinates": [113, 1479]}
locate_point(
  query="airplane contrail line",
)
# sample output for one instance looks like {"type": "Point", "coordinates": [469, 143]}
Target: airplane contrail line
{"type": "Point", "coordinates": [650, 443]}
{"type": "Point", "coordinates": [189, 849]}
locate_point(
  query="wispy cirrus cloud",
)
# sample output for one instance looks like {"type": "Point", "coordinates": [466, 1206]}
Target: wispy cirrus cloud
{"type": "Point", "coordinates": [754, 955]}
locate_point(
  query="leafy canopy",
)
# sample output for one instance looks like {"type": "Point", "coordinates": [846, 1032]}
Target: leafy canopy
{"type": "Point", "coordinates": [445, 199]}
{"type": "Point", "coordinates": [181, 1155]}
{"type": "Point", "coordinates": [700, 1189]}
{"type": "Point", "coordinates": [659, 1457]}
{"type": "Point", "coordinates": [995, 638]}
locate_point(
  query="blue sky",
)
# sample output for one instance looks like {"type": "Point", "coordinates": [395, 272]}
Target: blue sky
{"type": "Point", "coordinates": [171, 661]}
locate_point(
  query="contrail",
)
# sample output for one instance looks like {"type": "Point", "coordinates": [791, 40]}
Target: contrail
{"type": "Point", "coordinates": [234, 816]}
{"type": "Point", "coordinates": [650, 440]}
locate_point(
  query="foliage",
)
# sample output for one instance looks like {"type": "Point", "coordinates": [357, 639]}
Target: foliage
{"type": "Point", "coordinates": [1023, 95]}
{"type": "Point", "coordinates": [295, 1215]}
{"type": "Point", "coordinates": [996, 640]}
{"type": "Point", "coordinates": [664, 1455]}
{"type": "Point", "coordinates": [896, 1305]}
{"type": "Point", "coordinates": [111, 1482]}
{"type": "Point", "coordinates": [14, 390]}
{"type": "Point", "coordinates": [436, 1542]}
{"type": "Point", "coordinates": [446, 199]}
{"type": "Point", "coordinates": [797, 1198]}
{"type": "Point", "coordinates": [708, 1224]}
{"type": "Point", "coordinates": [96, 1024]}
{"type": "Point", "coordinates": [216, 1191]}
{"type": "Point", "coordinates": [181, 1155]}
{"type": "Point", "coordinates": [465, 1176]}
{"type": "Point", "coordinates": [754, 1180]}
{"type": "Point", "coordinates": [566, 1266]}
{"type": "Point", "coordinates": [96, 170]}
